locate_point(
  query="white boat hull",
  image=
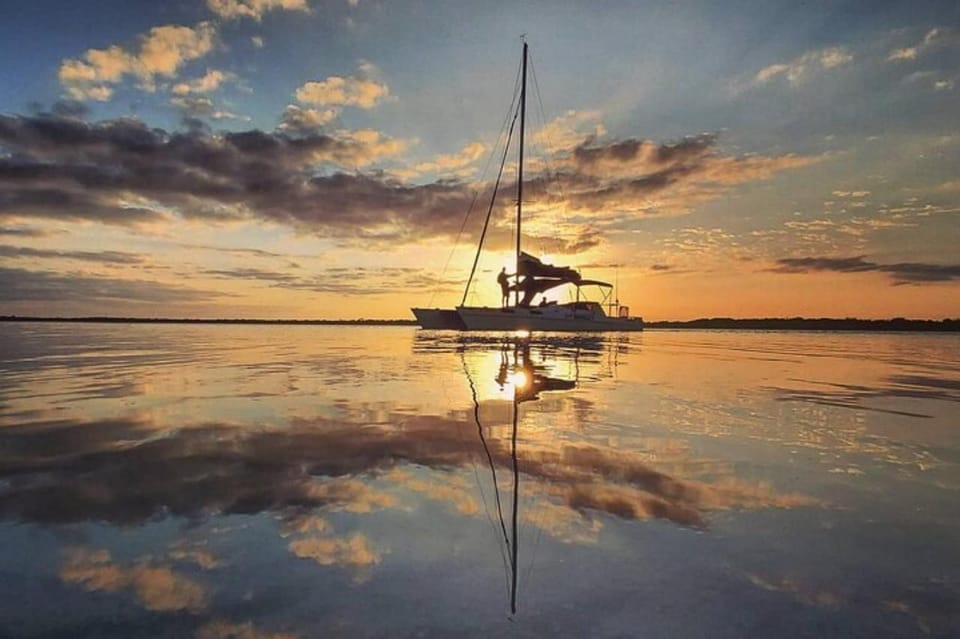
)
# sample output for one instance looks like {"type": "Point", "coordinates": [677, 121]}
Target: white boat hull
{"type": "Point", "coordinates": [555, 318]}
{"type": "Point", "coordinates": [438, 319]}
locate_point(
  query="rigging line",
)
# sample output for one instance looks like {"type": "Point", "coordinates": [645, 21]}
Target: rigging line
{"type": "Point", "coordinates": [552, 175]}
{"type": "Point", "coordinates": [493, 199]}
{"type": "Point", "coordinates": [533, 556]}
{"type": "Point", "coordinates": [476, 193]}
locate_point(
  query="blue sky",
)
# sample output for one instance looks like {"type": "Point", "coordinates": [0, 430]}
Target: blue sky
{"type": "Point", "coordinates": [731, 158]}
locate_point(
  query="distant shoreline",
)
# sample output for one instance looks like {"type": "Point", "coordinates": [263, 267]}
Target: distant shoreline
{"type": "Point", "coordinates": [716, 323]}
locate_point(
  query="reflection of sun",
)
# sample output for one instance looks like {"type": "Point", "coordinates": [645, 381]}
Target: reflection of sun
{"type": "Point", "coordinates": [519, 379]}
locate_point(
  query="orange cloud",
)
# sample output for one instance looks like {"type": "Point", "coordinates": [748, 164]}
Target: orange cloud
{"type": "Point", "coordinates": [343, 91]}
{"type": "Point", "coordinates": [162, 51]}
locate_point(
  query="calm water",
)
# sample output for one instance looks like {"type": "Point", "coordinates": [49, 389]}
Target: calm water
{"type": "Point", "coordinates": [292, 481]}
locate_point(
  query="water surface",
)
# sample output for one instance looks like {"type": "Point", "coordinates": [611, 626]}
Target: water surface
{"type": "Point", "coordinates": [306, 481]}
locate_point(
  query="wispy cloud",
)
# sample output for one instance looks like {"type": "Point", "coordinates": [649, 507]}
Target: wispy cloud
{"type": "Point", "coordinates": [448, 164]}
{"type": "Point", "coordinates": [900, 273]}
{"type": "Point", "coordinates": [23, 285]}
{"type": "Point", "coordinates": [23, 231]}
{"type": "Point", "coordinates": [567, 131]}
{"type": "Point", "coordinates": [104, 257]}
{"type": "Point", "coordinates": [800, 68]}
{"type": "Point", "coordinates": [934, 37]}
{"type": "Point", "coordinates": [254, 9]}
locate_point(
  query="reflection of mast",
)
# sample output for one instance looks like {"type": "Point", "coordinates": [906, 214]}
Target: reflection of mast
{"type": "Point", "coordinates": [528, 381]}
{"type": "Point", "coordinates": [516, 494]}
{"type": "Point", "coordinates": [486, 449]}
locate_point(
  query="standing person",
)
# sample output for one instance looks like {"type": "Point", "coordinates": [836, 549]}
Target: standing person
{"type": "Point", "coordinates": [504, 281]}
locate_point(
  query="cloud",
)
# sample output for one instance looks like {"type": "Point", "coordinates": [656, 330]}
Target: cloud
{"type": "Point", "coordinates": [567, 131]}
{"type": "Point", "coordinates": [103, 257]}
{"type": "Point", "coordinates": [22, 231]}
{"type": "Point", "coordinates": [160, 52]}
{"type": "Point", "coordinates": [122, 172]}
{"type": "Point", "coordinates": [209, 82]}
{"type": "Point", "coordinates": [341, 280]}
{"type": "Point", "coordinates": [299, 120]}
{"type": "Point", "coordinates": [641, 176]}
{"type": "Point", "coordinates": [202, 107]}
{"type": "Point", "coordinates": [254, 9]}
{"type": "Point", "coordinates": [448, 164]}
{"type": "Point", "coordinates": [900, 273]}
{"type": "Point", "coordinates": [933, 38]}
{"type": "Point", "coordinates": [799, 69]}
{"type": "Point", "coordinates": [855, 194]}
{"type": "Point", "coordinates": [343, 91]}
{"type": "Point", "coordinates": [22, 285]}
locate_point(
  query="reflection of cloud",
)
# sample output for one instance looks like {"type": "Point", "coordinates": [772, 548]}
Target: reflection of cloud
{"type": "Point", "coordinates": [227, 630]}
{"type": "Point", "coordinates": [354, 550]}
{"type": "Point", "coordinates": [320, 463]}
{"type": "Point", "coordinates": [931, 605]}
{"type": "Point", "coordinates": [195, 554]}
{"type": "Point", "coordinates": [450, 489]}
{"type": "Point", "coordinates": [156, 587]}
{"type": "Point", "coordinates": [855, 395]}
{"type": "Point", "coordinates": [302, 523]}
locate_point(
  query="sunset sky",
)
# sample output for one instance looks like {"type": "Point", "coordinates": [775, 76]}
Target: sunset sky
{"type": "Point", "coordinates": [317, 159]}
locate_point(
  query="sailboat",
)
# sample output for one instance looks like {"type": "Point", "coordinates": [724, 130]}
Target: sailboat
{"type": "Point", "coordinates": [533, 277]}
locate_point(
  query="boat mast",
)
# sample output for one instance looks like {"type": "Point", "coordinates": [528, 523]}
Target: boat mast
{"type": "Point", "coordinates": [523, 114]}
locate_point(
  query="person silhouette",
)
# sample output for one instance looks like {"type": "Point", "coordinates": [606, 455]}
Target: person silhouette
{"type": "Point", "coordinates": [504, 281]}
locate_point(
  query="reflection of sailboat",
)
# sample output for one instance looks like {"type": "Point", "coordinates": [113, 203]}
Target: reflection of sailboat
{"type": "Point", "coordinates": [532, 277]}
{"type": "Point", "coordinates": [527, 381]}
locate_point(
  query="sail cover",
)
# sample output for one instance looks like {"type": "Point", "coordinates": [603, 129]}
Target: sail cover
{"type": "Point", "coordinates": [539, 277]}
{"type": "Point", "coordinates": [532, 267]}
